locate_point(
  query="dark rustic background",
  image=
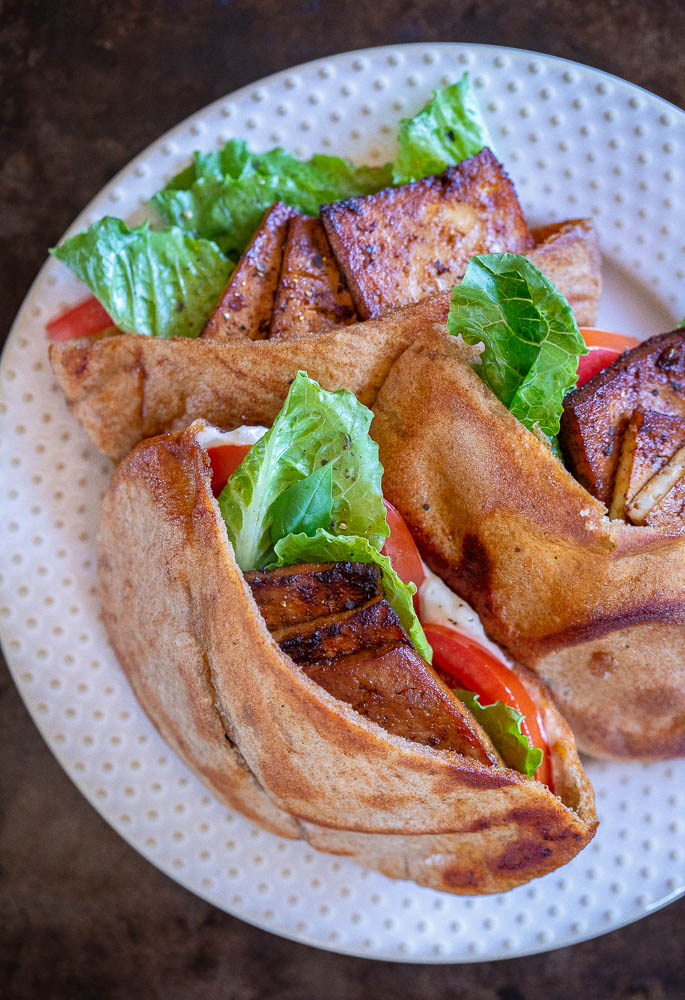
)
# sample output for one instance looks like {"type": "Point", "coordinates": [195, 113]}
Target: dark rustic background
{"type": "Point", "coordinates": [83, 88]}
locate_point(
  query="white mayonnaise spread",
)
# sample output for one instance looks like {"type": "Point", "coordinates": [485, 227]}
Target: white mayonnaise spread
{"type": "Point", "coordinates": [441, 606]}
{"type": "Point", "coordinates": [211, 437]}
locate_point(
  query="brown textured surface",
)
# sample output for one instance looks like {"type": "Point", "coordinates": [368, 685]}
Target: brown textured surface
{"type": "Point", "coordinates": [246, 306]}
{"type": "Point", "coordinates": [311, 295]}
{"type": "Point", "coordinates": [82, 914]}
{"type": "Point", "coordinates": [596, 414]}
{"type": "Point", "coordinates": [402, 244]}
{"type": "Point", "coordinates": [126, 387]}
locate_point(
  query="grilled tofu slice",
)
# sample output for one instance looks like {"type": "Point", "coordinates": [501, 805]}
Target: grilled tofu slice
{"type": "Point", "coordinates": [568, 253]}
{"type": "Point", "coordinates": [354, 646]}
{"type": "Point", "coordinates": [372, 625]}
{"type": "Point", "coordinates": [312, 295]}
{"type": "Point", "coordinates": [668, 513]}
{"type": "Point", "coordinates": [401, 244]}
{"type": "Point", "coordinates": [246, 306]}
{"type": "Point", "coordinates": [648, 443]}
{"type": "Point", "coordinates": [394, 687]}
{"type": "Point", "coordinates": [595, 416]}
{"type": "Point", "coordinates": [642, 509]}
{"type": "Point", "coordinates": [290, 595]}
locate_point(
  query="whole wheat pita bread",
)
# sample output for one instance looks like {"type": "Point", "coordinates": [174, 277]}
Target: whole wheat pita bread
{"type": "Point", "coordinates": [125, 388]}
{"type": "Point", "coordinates": [275, 745]}
{"type": "Point", "coordinates": [595, 607]}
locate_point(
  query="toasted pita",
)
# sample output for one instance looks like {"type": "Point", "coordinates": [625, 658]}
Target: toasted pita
{"type": "Point", "coordinates": [126, 387]}
{"type": "Point", "coordinates": [595, 607]}
{"type": "Point", "coordinates": [189, 636]}
{"type": "Point", "coordinates": [568, 253]}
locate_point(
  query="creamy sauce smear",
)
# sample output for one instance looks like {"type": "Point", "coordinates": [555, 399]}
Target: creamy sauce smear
{"type": "Point", "coordinates": [212, 437]}
{"type": "Point", "coordinates": [438, 605]}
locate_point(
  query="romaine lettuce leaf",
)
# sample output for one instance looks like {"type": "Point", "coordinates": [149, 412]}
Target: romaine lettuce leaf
{"type": "Point", "coordinates": [532, 342]}
{"type": "Point", "coordinates": [503, 725]}
{"type": "Point", "coordinates": [449, 129]}
{"type": "Point", "coordinates": [163, 284]}
{"type": "Point", "coordinates": [325, 547]}
{"type": "Point", "coordinates": [313, 428]}
{"type": "Point", "coordinates": [224, 194]}
{"type": "Point", "coordinates": [305, 506]}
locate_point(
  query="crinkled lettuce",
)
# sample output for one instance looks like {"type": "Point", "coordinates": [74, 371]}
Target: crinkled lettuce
{"type": "Point", "coordinates": [314, 428]}
{"type": "Point", "coordinates": [325, 547]}
{"type": "Point", "coordinates": [502, 723]}
{"type": "Point", "coordinates": [449, 129]}
{"type": "Point", "coordinates": [224, 194]}
{"type": "Point", "coordinates": [163, 284]}
{"type": "Point", "coordinates": [530, 336]}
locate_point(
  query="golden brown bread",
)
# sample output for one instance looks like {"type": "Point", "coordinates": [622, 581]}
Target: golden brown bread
{"type": "Point", "coordinates": [246, 304]}
{"type": "Point", "coordinates": [404, 243]}
{"type": "Point", "coordinates": [568, 253]}
{"type": "Point", "coordinates": [595, 607]}
{"type": "Point", "coordinates": [189, 636]}
{"type": "Point", "coordinates": [311, 295]}
{"type": "Point", "coordinates": [127, 387]}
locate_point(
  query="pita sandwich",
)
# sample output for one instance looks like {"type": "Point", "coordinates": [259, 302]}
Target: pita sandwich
{"type": "Point", "coordinates": [596, 608]}
{"type": "Point", "coordinates": [275, 745]}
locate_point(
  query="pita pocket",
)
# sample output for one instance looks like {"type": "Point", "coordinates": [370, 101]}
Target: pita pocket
{"type": "Point", "coordinates": [596, 608]}
{"type": "Point", "coordinates": [271, 742]}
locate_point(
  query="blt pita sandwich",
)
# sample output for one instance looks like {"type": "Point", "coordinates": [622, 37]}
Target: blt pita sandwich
{"type": "Point", "coordinates": [594, 605]}
{"type": "Point", "coordinates": [271, 640]}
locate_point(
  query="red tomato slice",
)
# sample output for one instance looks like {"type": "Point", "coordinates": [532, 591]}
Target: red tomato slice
{"type": "Point", "coordinates": [84, 319]}
{"type": "Point", "coordinates": [477, 670]}
{"type": "Point", "coordinates": [605, 347]}
{"type": "Point", "coordinates": [225, 459]}
{"type": "Point", "coordinates": [400, 548]}
{"type": "Point", "coordinates": [605, 338]}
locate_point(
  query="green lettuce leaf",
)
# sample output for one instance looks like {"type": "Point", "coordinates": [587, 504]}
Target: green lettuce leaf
{"type": "Point", "coordinates": [449, 129]}
{"type": "Point", "coordinates": [305, 506]}
{"type": "Point", "coordinates": [503, 725]}
{"type": "Point", "coordinates": [532, 342]}
{"type": "Point", "coordinates": [313, 428]}
{"type": "Point", "coordinates": [223, 195]}
{"type": "Point", "coordinates": [163, 284]}
{"type": "Point", "coordinates": [325, 547]}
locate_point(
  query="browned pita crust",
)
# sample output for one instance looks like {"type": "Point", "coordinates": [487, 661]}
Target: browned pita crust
{"type": "Point", "coordinates": [188, 634]}
{"type": "Point", "coordinates": [568, 253]}
{"type": "Point", "coordinates": [127, 387]}
{"type": "Point", "coordinates": [595, 607]}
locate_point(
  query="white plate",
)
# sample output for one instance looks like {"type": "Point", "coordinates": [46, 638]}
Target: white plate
{"type": "Point", "coordinates": [576, 142]}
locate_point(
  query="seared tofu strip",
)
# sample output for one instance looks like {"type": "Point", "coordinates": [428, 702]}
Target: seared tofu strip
{"type": "Point", "coordinates": [648, 443]}
{"type": "Point", "coordinates": [362, 655]}
{"type": "Point", "coordinates": [394, 687]}
{"type": "Point", "coordinates": [368, 627]}
{"type": "Point", "coordinates": [312, 295]}
{"type": "Point", "coordinates": [595, 416]}
{"type": "Point", "coordinates": [403, 243]}
{"type": "Point", "coordinates": [246, 305]}
{"type": "Point", "coordinates": [668, 513]}
{"type": "Point", "coordinates": [654, 492]}
{"type": "Point", "coordinates": [290, 595]}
